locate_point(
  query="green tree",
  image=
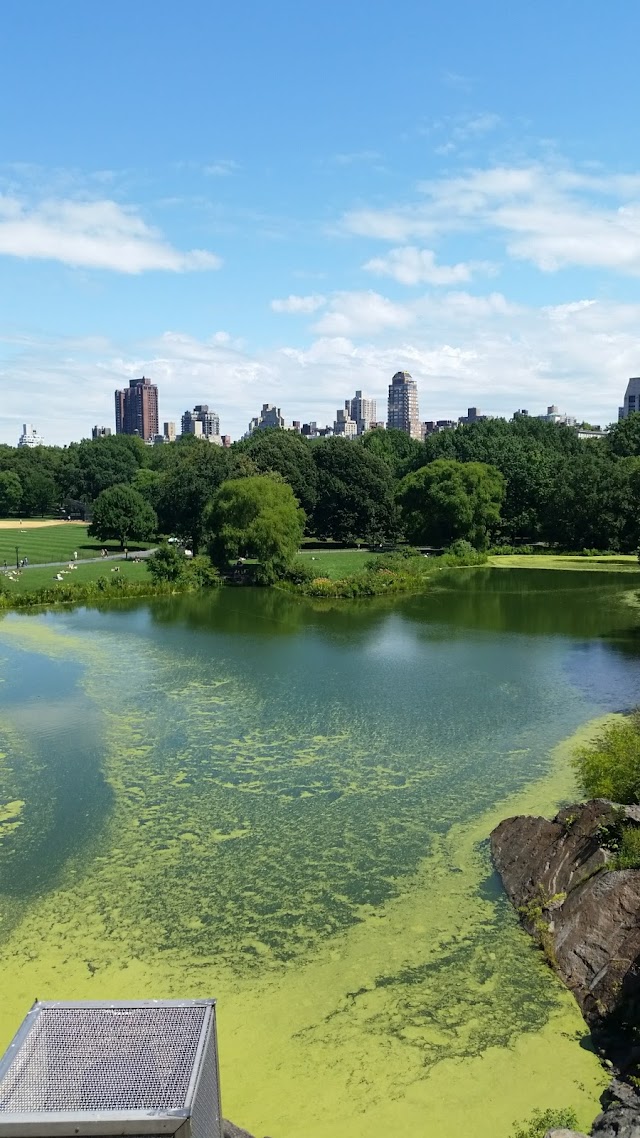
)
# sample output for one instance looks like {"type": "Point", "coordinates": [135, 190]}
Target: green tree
{"type": "Point", "coordinates": [448, 500]}
{"type": "Point", "coordinates": [194, 473]}
{"type": "Point", "coordinates": [255, 517]}
{"type": "Point", "coordinates": [121, 512]}
{"type": "Point", "coordinates": [168, 563]}
{"type": "Point", "coordinates": [40, 494]}
{"type": "Point", "coordinates": [623, 437]}
{"type": "Point", "coordinates": [91, 466]}
{"type": "Point", "coordinates": [288, 454]}
{"type": "Point", "coordinates": [10, 492]}
{"type": "Point", "coordinates": [527, 452]}
{"type": "Point", "coordinates": [593, 502]}
{"type": "Point", "coordinates": [148, 483]}
{"type": "Point", "coordinates": [401, 453]}
{"type": "Point", "coordinates": [355, 498]}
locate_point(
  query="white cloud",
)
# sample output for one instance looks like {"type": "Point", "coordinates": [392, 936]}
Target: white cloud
{"type": "Point", "coordinates": [298, 304]}
{"type": "Point", "coordinates": [410, 265]}
{"type": "Point", "coordinates": [91, 234]}
{"type": "Point", "coordinates": [462, 349]}
{"type": "Point", "coordinates": [553, 217]}
{"type": "Point", "coordinates": [362, 314]}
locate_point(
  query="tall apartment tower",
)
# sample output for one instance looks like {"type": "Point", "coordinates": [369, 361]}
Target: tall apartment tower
{"type": "Point", "coordinates": [202, 422]}
{"type": "Point", "coordinates": [137, 409]}
{"type": "Point", "coordinates": [402, 407]}
{"type": "Point", "coordinates": [631, 399]}
{"type": "Point", "coordinates": [362, 411]}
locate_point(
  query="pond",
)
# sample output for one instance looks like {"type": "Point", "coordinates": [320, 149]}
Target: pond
{"type": "Point", "coordinates": [285, 804]}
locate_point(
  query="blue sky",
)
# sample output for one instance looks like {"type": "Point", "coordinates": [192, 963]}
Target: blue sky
{"type": "Point", "coordinates": [285, 202]}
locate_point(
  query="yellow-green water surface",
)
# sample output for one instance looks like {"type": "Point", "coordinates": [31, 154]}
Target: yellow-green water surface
{"type": "Point", "coordinates": [286, 806]}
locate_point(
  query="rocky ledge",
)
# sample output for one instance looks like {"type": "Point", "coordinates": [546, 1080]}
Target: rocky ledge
{"type": "Point", "coordinates": [585, 914]}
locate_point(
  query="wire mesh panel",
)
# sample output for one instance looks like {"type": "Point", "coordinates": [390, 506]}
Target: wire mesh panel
{"type": "Point", "coordinates": [104, 1058]}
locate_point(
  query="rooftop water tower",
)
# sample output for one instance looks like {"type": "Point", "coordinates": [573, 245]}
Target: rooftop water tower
{"type": "Point", "coordinates": [146, 1068]}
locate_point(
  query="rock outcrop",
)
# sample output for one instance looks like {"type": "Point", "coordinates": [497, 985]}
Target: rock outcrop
{"type": "Point", "coordinates": [585, 916]}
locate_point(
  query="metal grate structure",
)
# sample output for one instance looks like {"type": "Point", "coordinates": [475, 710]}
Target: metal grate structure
{"type": "Point", "coordinates": [113, 1068]}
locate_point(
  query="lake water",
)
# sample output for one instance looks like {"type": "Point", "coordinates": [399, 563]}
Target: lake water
{"type": "Point", "coordinates": [285, 805]}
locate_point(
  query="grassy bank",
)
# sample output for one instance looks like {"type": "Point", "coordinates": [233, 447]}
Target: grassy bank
{"type": "Point", "coordinates": [382, 575]}
{"type": "Point", "coordinates": [32, 580]}
{"type": "Point", "coordinates": [607, 562]}
{"type": "Point", "coordinates": [53, 543]}
{"type": "Point", "coordinates": [335, 563]}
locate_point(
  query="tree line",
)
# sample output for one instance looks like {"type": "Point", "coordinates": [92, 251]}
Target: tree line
{"type": "Point", "coordinates": [495, 481]}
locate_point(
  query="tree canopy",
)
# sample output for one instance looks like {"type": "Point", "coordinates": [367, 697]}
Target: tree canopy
{"type": "Point", "coordinates": [288, 454]}
{"type": "Point", "coordinates": [449, 500]}
{"type": "Point", "coordinates": [256, 517]}
{"type": "Point", "coordinates": [355, 496]}
{"type": "Point", "coordinates": [121, 512]}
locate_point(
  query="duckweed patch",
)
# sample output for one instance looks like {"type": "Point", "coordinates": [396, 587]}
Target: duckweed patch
{"type": "Point", "coordinates": [270, 834]}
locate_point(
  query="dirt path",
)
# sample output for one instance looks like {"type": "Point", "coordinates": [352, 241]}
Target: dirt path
{"type": "Point", "coordinates": [31, 523]}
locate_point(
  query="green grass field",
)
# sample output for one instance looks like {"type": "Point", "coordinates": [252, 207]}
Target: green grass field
{"type": "Point", "coordinates": [608, 562]}
{"type": "Point", "coordinates": [45, 578]}
{"type": "Point", "coordinates": [336, 563]}
{"type": "Point", "coordinates": [53, 543]}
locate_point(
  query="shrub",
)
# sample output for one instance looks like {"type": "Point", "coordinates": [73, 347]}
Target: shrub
{"type": "Point", "coordinates": [461, 548]}
{"type": "Point", "coordinates": [628, 856]}
{"type": "Point", "coordinates": [299, 572]}
{"type": "Point", "coordinates": [610, 766]}
{"type": "Point", "coordinates": [543, 1120]}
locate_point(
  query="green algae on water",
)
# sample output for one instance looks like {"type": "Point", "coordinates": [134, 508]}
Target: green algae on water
{"type": "Point", "coordinates": [324, 875]}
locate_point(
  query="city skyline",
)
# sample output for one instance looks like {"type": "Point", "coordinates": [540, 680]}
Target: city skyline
{"type": "Point", "coordinates": [477, 230]}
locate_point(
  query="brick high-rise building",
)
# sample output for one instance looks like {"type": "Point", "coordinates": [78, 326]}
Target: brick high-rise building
{"type": "Point", "coordinates": [137, 409]}
{"type": "Point", "coordinates": [402, 407]}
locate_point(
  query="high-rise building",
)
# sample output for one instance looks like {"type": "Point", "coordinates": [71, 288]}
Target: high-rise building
{"type": "Point", "coordinates": [269, 416]}
{"type": "Point", "coordinates": [402, 407]}
{"type": "Point", "coordinates": [137, 409]}
{"type": "Point", "coordinates": [344, 425]}
{"type": "Point", "coordinates": [201, 422]}
{"type": "Point", "coordinates": [169, 432]}
{"type": "Point", "coordinates": [631, 399]}
{"type": "Point", "coordinates": [362, 411]}
{"type": "Point", "coordinates": [100, 432]}
{"type": "Point", "coordinates": [30, 437]}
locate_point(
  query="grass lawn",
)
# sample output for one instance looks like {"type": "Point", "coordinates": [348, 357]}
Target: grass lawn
{"type": "Point", "coordinates": [54, 543]}
{"type": "Point", "coordinates": [44, 578]}
{"type": "Point", "coordinates": [336, 563]}
{"type": "Point", "coordinates": [608, 562]}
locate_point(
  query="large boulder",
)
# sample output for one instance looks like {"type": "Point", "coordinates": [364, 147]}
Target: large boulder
{"type": "Point", "coordinates": [585, 916]}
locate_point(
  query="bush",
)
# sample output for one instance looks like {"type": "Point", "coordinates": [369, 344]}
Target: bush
{"type": "Point", "coordinates": [299, 572]}
{"type": "Point", "coordinates": [508, 550]}
{"type": "Point", "coordinates": [628, 856]}
{"type": "Point", "coordinates": [543, 1120]}
{"type": "Point", "coordinates": [610, 766]}
{"type": "Point", "coordinates": [460, 548]}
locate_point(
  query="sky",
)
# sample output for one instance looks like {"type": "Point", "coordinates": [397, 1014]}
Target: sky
{"type": "Point", "coordinates": [284, 202]}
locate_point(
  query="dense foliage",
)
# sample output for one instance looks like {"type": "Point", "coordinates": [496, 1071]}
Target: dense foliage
{"type": "Point", "coordinates": [448, 500]}
{"type": "Point", "coordinates": [609, 767]}
{"type": "Point", "coordinates": [255, 517]}
{"type": "Point", "coordinates": [511, 483]}
{"type": "Point", "coordinates": [121, 512]}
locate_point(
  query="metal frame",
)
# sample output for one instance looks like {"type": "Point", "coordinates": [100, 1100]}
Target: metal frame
{"type": "Point", "coordinates": [73, 1124]}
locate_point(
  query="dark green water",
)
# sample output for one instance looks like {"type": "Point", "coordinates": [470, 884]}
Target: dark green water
{"type": "Point", "coordinates": [228, 791]}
